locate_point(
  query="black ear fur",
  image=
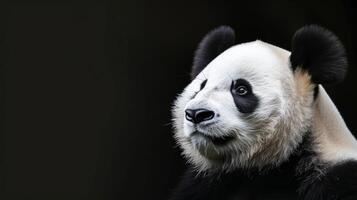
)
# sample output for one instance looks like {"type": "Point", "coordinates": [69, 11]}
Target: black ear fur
{"type": "Point", "coordinates": [213, 44]}
{"type": "Point", "coordinates": [320, 52]}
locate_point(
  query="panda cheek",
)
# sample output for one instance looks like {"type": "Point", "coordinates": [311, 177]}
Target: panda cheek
{"type": "Point", "coordinates": [246, 104]}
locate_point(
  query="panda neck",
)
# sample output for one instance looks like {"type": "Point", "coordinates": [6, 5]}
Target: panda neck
{"type": "Point", "coordinates": [333, 141]}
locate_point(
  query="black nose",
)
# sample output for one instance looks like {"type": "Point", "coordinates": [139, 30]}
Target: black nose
{"type": "Point", "coordinates": [198, 115]}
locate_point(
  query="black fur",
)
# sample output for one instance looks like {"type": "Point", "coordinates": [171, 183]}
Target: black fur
{"type": "Point", "coordinates": [247, 103]}
{"type": "Point", "coordinates": [213, 44]}
{"type": "Point", "coordinates": [320, 52]}
{"type": "Point", "coordinates": [277, 185]}
{"type": "Point", "coordinates": [203, 84]}
{"type": "Point", "coordinates": [338, 183]}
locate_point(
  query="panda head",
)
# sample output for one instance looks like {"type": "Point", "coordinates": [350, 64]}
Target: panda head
{"type": "Point", "coordinates": [250, 105]}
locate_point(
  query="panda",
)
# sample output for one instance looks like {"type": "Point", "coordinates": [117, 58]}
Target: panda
{"type": "Point", "coordinates": [256, 123]}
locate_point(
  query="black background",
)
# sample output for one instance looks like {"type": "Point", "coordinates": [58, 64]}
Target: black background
{"type": "Point", "coordinates": [87, 87]}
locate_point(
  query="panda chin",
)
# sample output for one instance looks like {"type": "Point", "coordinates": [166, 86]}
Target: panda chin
{"type": "Point", "coordinates": [210, 146]}
{"type": "Point", "coordinates": [221, 141]}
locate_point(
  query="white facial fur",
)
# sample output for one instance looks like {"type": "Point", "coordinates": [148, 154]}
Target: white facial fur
{"type": "Point", "coordinates": [263, 138]}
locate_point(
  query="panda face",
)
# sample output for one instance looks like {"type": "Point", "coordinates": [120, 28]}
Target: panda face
{"type": "Point", "coordinates": [244, 109]}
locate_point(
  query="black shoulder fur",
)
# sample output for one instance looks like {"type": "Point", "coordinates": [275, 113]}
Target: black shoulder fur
{"type": "Point", "coordinates": [338, 182]}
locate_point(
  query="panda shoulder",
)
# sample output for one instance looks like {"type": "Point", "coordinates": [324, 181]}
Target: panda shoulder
{"type": "Point", "coordinates": [336, 152]}
{"type": "Point", "coordinates": [337, 182]}
{"type": "Point", "coordinates": [333, 141]}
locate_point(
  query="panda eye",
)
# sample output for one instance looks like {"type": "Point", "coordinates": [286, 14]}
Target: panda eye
{"type": "Point", "coordinates": [241, 87]}
{"type": "Point", "coordinates": [241, 90]}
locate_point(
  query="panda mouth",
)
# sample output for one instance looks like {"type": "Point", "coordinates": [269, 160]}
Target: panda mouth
{"type": "Point", "coordinates": [220, 141]}
{"type": "Point", "coordinates": [216, 140]}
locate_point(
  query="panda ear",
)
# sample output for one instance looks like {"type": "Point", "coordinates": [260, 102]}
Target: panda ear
{"type": "Point", "coordinates": [319, 52]}
{"type": "Point", "coordinates": [213, 44]}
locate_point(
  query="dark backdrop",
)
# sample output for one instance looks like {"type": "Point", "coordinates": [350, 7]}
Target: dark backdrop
{"type": "Point", "coordinates": [86, 88]}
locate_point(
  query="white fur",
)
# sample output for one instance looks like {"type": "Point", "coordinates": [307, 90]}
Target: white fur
{"type": "Point", "coordinates": [273, 131]}
{"type": "Point", "coordinates": [334, 141]}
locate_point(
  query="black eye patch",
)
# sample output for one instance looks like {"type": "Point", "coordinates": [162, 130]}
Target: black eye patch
{"type": "Point", "coordinates": [246, 102]}
{"type": "Point", "coordinates": [203, 84]}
